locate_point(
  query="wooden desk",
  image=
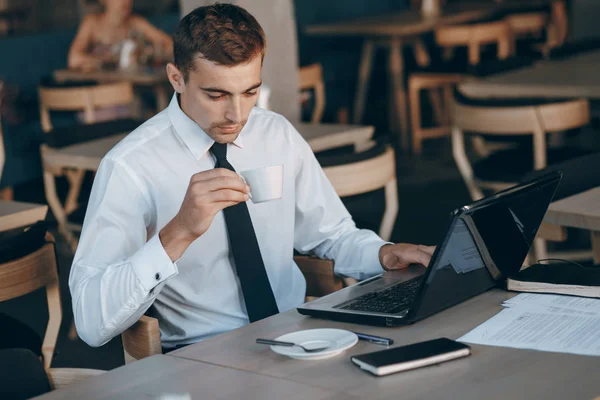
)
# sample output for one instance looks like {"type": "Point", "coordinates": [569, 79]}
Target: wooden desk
{"type": "Point", "coordinates": [579, 211]}
{"type": "Point", "coordinates": [156, 78]}
{"type": "Point", "coordinates": [14, 214]}
{"type": "Point", "coordinates": [576, 76]}
{"type": "Point", "coordinates": [158, 376]}
{"type": "Point", "coordinates": [490, 372]}
{"type": "Point", "coordinates": [392, 31]}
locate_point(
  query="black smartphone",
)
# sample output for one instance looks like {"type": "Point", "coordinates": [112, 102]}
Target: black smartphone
{"type": "Point", "coordinates": [411, 356]}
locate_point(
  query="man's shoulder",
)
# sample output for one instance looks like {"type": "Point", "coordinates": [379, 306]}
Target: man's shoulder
{"type": "Point", "coordinates": [262, 115]}
{"type": "Point", "coordinates": [141, 138]}
{"type": "Point", "coordinates": [271, 123]}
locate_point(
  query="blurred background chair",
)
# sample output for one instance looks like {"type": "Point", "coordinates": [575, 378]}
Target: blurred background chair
{"type": "Point", "coordinates": [5, 193]}
{"type": "Point", "coordinates": [22, 375]}
{"type": "Point", "coordinates": [85, 97]}
{"type": "Point", "coordinates": [579, 175]}
{"type": "Point", "coordinates": [525, 122]}
{"type": "Point", "coordinates": [310, 77]}
{"type": "Point", "coordinates": [442, 76]}
{"type": "Point", "coordinates": [28, 264]}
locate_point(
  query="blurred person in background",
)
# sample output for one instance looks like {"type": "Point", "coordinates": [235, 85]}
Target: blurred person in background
{"type": "Point", "coordinates": [101, 35]}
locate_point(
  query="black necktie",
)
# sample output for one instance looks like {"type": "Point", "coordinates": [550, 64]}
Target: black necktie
{"type": "Point", "coordinates": [260, 301]}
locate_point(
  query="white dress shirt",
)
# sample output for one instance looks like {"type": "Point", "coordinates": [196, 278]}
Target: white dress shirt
{"type": "Point", "coordinates": [121, 268]}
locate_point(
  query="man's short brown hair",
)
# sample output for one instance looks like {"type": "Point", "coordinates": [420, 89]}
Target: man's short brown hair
{"type": "Point", "coordinates": [223, 33]}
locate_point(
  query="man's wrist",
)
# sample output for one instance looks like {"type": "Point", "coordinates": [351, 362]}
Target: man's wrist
{"type": "Point", "coordinates": [174, 240]}
{"type": "Point", "coordinates": [382, 252]}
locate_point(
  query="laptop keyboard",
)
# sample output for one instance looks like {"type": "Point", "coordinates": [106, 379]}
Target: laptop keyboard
{"type": "Point", "coordinates": [392, 300]}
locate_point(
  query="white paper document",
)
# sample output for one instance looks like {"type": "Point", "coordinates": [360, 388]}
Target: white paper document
{"type": "Point", "coordinates": [541, 328]}
{"type": "Point", "coordinates": [554, 300]}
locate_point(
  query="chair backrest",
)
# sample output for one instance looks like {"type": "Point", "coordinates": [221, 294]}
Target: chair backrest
{"type": "Point", "coordinates": [142, 339]}
{"type": "Point", "coordinates": [528, 23]}
{"type": "Point", "coordinates": [311, 78]}
{"type": "Point", "coordinates": [29, 273]}
{"type": "Point", "coordinates": [2, 151]}
{"type": "Point", "coordinates": [490, 118]}
{"type": "Point", "coordinates": [475, 35]}
{"type": "Point", "coordinates": [82, 98]}
{"type": "Point", "coordinates": [365, 172]}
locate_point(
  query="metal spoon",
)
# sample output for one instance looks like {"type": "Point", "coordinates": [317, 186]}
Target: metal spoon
{"type": "Point", "coordinates": [290, 344]}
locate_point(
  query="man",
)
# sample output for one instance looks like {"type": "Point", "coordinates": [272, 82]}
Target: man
{"type": "Point", "coordinates": [280, 73]}
{"type": "Point", "coordinates": [165, 228]}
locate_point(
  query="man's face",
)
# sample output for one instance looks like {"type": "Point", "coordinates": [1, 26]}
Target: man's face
{"type": "Point", "coordinates": [219, 98]}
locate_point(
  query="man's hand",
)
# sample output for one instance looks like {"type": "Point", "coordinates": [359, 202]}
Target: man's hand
{"type": "Point", "coordinates": [208, 193]}
{"type": "Point", "coordinates": [401, 255]}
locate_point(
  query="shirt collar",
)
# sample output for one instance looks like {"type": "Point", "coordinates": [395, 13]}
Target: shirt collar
{"type": "Point", "coordinates": [196, 140]}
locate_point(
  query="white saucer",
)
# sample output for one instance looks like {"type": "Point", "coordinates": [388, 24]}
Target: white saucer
{"type": "Point", "coordinates": [338, 340]}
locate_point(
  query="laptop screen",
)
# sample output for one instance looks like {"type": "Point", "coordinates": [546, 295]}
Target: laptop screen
{"type": "Point", "coordinates": [484, 243]}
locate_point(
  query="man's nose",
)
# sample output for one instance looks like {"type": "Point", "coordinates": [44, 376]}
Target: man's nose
{"type": "Point", "coordinates": [234, 111]}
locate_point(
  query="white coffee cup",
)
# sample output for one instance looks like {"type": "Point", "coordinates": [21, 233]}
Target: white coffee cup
{"type": "Point", "coordinates": [265, 183]}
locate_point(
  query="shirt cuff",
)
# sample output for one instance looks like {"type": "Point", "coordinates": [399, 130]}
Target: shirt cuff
{"type": "Point", "coordinates": [152, 265]}
{"type": "Point", "coordinates": [373, 266]}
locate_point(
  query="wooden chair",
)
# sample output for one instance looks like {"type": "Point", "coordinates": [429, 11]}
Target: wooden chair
{"type": "Point", "coordinates": [142, 339]}
{"type": "Point", "coordinates": [527, 24]}
{"type": "Point", "coordinates": [25, 376]}
{"type": "Point", "coordinates": [85, 97]}
{"type": "Point", "coordinates": [5, 193]}
{"type": "Point", "coordinates": [365, 172]}
{"type": "Point", "coordinates": [503, 169]}
{"type": "Point", "coordinates": [474, 37]}
{"type": "Point", "coordinates": [310, 77]}
{"type": "Point", "coordinates": [32, 272]}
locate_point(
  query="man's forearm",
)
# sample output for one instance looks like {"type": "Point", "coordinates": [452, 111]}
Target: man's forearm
{"type": "Point", "coordinates": [174, 240]}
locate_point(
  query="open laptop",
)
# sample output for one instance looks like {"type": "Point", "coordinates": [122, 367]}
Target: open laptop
{"type": "Point", "coordinates": [484, 243]}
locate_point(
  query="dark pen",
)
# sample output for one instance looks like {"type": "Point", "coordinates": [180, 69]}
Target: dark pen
{"type": "Point", "coordinates": [374, 339]}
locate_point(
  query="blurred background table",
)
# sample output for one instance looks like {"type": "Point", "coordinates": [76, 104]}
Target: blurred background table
{"type": "Point", "coordinates": [579, 211]}
{"type": "Point", "coordinates": [576, 76]}
{"type": "Point", "coordinates": [393, 31]}
{"type": "Point", "coordinates": [149, 77]}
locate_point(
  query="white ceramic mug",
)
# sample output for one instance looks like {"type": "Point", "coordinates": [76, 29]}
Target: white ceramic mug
{"type": "Point", "coordinates": [265, 183]}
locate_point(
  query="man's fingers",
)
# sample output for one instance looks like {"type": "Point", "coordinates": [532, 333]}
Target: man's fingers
{"type": "Point", "coordinates": [220, 183]}
{"type": "Point", "coordinates": [224, 204]}
{"type": "Point", "coordinates": [224, 195]}
{"type": "Point", "coordinates": [213, 173]}
{"type": "Point", "coordinates": [423, 257]}
{"type": "Point", "coordinates": [427, 249]}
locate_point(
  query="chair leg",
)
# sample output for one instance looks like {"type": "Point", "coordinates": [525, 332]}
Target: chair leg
{"type": "Point", "coordinates": [7, 193]}
{"type": "Point", "coordinates": [57, 209]}
{"type": "Point", "coordinates": [75, 179]}
{"type": "Point", "coordinates": [435, 98]}
{"type": "Point", "coordinates": [463, 164]}
{"type": "Point", "coordinates": [391, 210]}
{"type": "Point", "coordinates": [540, 250]}
{"type": "Point", "coordinates": [596, 246]}
{"type": "Point", "coordinates": [414, 102]}
{"type": "Point", "coordinates": [362, 85]}
{"type": "Point", "coordinates": [54, 321]}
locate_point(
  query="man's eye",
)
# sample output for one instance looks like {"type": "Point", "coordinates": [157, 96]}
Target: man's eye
{"type": "Point", "coordinates": [250, 94]}
{"type": "Point", "coordinates": [215, 97]}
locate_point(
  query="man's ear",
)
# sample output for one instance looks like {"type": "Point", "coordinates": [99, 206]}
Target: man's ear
{"type": "Point", "coordinates": [176, 78]}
